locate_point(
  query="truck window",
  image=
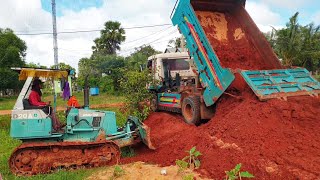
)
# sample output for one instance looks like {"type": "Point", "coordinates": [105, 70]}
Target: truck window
{"type": "Point", "coordinates": [178, 64]}
{"type": "Point", "coordinates": [149, 64]}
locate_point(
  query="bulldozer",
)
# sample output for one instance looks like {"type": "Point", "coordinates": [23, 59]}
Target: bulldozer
{"type": "Point", "coordinates": [90, 137]}
{"type": "Point", "coordinates": [208, 26]}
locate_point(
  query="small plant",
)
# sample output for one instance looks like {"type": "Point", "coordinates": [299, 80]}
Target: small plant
{"type": "Point", "coordinates": [118, 171]}
{"type": "Point", "coordinates": [127, 152]}
{"type": "Point", "coordinates": [191, 161]}
{"type": "Point", "coordinates": [188, 177]}
{"type": "Point", "coordinates": [236, 173]}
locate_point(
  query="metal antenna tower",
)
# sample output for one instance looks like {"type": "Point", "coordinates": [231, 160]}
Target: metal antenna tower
{"type": "Point", "coordinates": [55, 41]}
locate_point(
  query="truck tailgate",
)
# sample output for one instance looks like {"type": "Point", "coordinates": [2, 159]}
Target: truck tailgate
{"type": "Point", "coordinates": [281, 83]}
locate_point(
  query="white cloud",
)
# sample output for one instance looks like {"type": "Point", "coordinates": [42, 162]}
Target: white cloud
{"type": "Point", "coordinates": [29, 17]}
{"type": "Point", "coordinates": [316, 18]}
{"type": "Point", "coordinates": [263, 16]}
{"type": "Point", "coordinates": [289, 4]}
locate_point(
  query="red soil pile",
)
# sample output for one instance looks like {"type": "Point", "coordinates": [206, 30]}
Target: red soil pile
{"type": "Point", "coordinates": [273, 140]}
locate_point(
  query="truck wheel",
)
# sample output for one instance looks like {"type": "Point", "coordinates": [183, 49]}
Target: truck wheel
{"type": "Point", "coordinates": [191, 110]}
{"type": "Point", "coordinates": [154, 103]}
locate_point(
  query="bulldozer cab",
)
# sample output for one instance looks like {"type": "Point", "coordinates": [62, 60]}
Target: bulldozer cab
{"type": "Point", "coordinates": [29, 121]}
{"type": "Point", "coordinates": [29, 75]}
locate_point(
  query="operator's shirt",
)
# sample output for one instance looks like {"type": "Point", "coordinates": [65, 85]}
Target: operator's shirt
{"type": "Point", "coordinates": [35, 99]}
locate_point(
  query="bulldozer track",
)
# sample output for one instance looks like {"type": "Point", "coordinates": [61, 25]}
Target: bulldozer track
{"type": "Point", "coordinates": [45, 157]}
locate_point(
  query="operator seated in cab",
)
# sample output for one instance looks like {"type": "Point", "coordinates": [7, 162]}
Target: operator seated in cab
{"type": "Point", "coordinates": [35, 100]}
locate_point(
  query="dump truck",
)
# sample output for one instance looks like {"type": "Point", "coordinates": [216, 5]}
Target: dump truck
{"type": "Point", "coordinates": [90, 138]}
{"type": "Point", "coordinates": [224, 46]}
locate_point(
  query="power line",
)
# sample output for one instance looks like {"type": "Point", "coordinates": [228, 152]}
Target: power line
{"type": "Point", "coordinates": [132, 47]}
{"type": "Point", "coordinates": [87, 31]}
{"type": "Point", "coordinates": [158, 32]}
{"type": "Point", "coordinates": [150, 43]}
{"type": "Point", "coordinates": [127, 52]}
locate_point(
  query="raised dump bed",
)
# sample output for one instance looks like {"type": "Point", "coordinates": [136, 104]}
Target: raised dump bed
{"type": "Point", "coordinates": [223, 32]}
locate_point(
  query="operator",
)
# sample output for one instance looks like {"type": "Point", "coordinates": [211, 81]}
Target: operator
{"type": "Point", "coordinates": [35, 95]}
{"type": "Point", "coordinates": [35, 100]}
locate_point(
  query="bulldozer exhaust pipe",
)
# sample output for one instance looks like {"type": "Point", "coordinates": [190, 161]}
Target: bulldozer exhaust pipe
{"type": "Point", "coordinates": [86, 93]}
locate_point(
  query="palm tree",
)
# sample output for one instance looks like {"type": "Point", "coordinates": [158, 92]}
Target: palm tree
{"type": "Point", "coordinates": [110, 39]}
{"type": "Point", "coordinates": [288, 41]}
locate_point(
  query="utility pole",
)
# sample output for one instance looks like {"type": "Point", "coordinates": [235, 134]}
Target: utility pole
{"type": "Point", "coordinates": [55, 41]}
{"type": "Point", "coordinates": [55, 51]}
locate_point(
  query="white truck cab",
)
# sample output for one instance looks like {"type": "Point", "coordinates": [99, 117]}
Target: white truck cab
{"type": "Point", "coordinates": [165, 64]}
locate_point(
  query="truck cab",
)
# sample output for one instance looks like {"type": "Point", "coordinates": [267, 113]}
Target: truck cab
{"type": "Point", "coordinates": [168, 65]}
{"type": "Point", "coordinates": [176, 86]}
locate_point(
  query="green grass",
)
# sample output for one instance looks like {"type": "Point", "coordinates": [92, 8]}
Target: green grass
{"type": "Point", "coordinates": [7, 103]}
{"type": "Point", "coordinates": [7, 145]}
{"type": "Point", "coordinates": [103, 98]}
{"type": "Point", "coordinates": [318, 77]}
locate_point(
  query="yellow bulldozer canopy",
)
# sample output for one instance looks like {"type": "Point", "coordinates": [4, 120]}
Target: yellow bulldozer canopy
{"type": "Point", "coordinates": [44, 73]}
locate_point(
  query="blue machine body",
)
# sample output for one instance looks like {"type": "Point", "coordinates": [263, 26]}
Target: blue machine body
{"type": "Point", "coordinates": [214, 79]}
{"type": "Point", "coordinates": [82, 125]}
{"type": "Point", "coordinates": [30, 124]}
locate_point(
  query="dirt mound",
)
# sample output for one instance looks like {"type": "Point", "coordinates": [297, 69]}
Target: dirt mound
{"type": "Point", "coordinates": [273, 140]}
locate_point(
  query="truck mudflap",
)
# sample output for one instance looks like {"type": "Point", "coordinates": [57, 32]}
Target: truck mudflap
{"type": "Point", "coordinates": [281, 83]}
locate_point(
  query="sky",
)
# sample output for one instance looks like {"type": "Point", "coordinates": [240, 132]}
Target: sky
{"type": "Point", "coordinates": [34, 17]}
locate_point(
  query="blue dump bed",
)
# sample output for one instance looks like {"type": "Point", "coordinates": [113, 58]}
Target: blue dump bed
{"type": "Point", "coordinates": [222, 38]}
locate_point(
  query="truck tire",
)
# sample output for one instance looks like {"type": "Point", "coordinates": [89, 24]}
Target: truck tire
{"type": "Point", "coordinates": [154, 103]}
{"type": "Point", "coordinates": [191, 110]}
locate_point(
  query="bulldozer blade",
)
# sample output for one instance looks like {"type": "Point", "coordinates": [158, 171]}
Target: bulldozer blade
{"type": "Point", "coordinates": [144, 132]}
{"type": "Point", "coordinates": [146, 139]}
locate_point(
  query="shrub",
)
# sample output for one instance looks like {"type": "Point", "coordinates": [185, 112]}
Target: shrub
{"type": "Point", "coordinates": [134, 89]}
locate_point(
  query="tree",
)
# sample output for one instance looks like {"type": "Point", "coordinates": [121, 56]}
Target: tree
{"type": "Point", "coordinates": [63, 66]}
{"type": "Point", "coordinates": [288, 41]}
{"type": "Point", "coordinates": [112, 66]}
{"type": "Point", "coordinates": [109, 66]}
{"type": "Point", "coordinates": [86, 68]}
{"type": "Point", "coordinates": [139, 57]}
{"type": "Point", "coordinates": [297, 45]}
{"type": "Point", "coordinates": [34, 65]}
{"type": "Point", "coordinates": [176, 43]}
{"type": "Point", "coordinates": [110, 39]}
{"type": "Point", "coordinates": [12, 53]}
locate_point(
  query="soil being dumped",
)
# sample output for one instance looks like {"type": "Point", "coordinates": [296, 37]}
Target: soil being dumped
{"type": "Point", "coordinates": [234, 46]}
{"type": "Point", "coordinates": [274, 139]}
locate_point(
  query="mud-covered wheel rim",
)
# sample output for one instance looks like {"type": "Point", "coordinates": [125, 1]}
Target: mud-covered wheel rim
{"type": "Point", "coordinates": [24, 161]}
{"type": "Point", "coordinates": [188, 114]}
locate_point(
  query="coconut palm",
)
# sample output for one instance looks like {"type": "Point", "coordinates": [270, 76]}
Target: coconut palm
{"type": "Point", "coordinates": [110, 39]}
